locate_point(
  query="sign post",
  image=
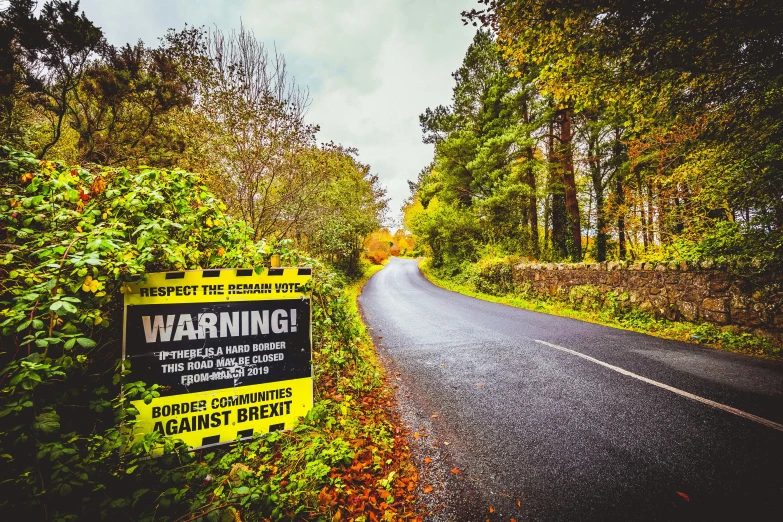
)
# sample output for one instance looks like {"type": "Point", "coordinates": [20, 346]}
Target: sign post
{"type": "Point", "coordinates": [231, 350]}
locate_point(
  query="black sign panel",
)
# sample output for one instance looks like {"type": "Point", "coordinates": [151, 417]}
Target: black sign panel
{"type": "Point", "coordinates": [192, 347]}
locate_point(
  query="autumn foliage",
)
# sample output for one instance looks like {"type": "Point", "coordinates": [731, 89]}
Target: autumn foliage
{"type": "Point", "coordinates": [381, 244]}
{"type": "Point", "coordinates": [71, 239]}
{"type": "Point", "coordinates": [609, 130]}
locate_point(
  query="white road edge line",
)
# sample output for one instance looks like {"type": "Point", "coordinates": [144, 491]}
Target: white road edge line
{"type": "Point", "coordinates": [735, 411]}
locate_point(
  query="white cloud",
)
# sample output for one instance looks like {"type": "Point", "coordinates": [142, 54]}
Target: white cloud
{"type": "Point", "coordinates": [372, 66]}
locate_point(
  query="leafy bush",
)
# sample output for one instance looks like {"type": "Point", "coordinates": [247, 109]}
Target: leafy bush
{"type": "Point", "coordinates": [71, 239]}
{"type": "Point", "coordinates": [378, 246]}
{"type": "Point", "coordinates": [447, 235]}
{"type": "Point", "coordinates": [732, 340]}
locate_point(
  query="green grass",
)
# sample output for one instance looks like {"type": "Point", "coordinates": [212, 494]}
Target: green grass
{"type": "Point", "coordinates": [354, 290]}
{"type": "Point", "coordinates": [633, 320]}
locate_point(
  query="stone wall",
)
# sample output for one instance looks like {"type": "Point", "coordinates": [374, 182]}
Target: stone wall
{"type": "Point", "coordinates": [697, 293]}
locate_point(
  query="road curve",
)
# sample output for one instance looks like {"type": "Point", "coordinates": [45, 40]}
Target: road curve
{"type": "Point", "coordinates": [541, 431]}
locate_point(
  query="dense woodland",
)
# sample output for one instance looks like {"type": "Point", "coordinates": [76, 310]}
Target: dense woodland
{"type": "Point", "coordinates": [216, 103]}
{"type": "Point", "coordinates": [196, 153]}
{"type": "Point", "coordinates": [609, 130]}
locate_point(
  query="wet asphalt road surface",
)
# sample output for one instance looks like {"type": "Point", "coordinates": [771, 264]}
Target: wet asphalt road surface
{"type": "Point", "coordinates": [538, 433]}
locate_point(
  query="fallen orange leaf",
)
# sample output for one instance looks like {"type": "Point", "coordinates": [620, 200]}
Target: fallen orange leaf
{"type": "Point", "coordinates": [685, 496]}
{"type": "Point", "coordinates": [416, 435]}
{"type": "Point", "coordinates": [427, 460]}
{"type": "Point", "coordinates": [519, 503]}
{"type": "Point", "coordinates": [454, 470]}
{"type": "Point", "coordinates": [491, 509]}
{"type": "Point", "coordinates": [435, 416]}
{"type": "Point", "coordinates": [427, 490]}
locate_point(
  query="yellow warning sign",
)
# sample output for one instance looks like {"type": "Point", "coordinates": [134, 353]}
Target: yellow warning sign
{"type": "Point", "coordinates": [218, 286]}
{"type": "Point", "coordinates": [230, 349]}
{"type": "Point", "coordinates": [219, 416]}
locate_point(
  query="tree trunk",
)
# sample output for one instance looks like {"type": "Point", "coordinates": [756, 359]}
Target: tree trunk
{"type": "Point", "coordinates": [533, 205]}
{"type": "Point", "coordinates": [650, 214]}
{"type": "Point", "coordinates": [600, 224]}
{"type": "Point", "coordinates": [531, 181]}
{"type": "Point", "coordinates": [571, 202]}
{"type": "Point", "coordinates": [598, 187]}
{"type": "Point", "coordinates": [557, 207]}
{"type": "Point", "coordinates": [642, 213]}
{"type": "Point", "coordinates": [619, 191]}
{"type": "Point", "coordinates": [620, 194]}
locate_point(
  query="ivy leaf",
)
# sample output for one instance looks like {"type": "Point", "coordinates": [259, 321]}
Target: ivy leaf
{"type": "Point", "coordinates": [68, 307]}
{"type": "Point", "coordinates": [23, 326]}
{"type": "Point", "coordinates": [47, 422]}
{"type": "Point", "coordinates": [86, 342]}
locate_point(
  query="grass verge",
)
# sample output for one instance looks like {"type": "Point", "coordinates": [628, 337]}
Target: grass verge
{"type": "Point", "coordinates": [354, 290]}
{"type": "Point", "coordinates": [348, 459]}
{"type": "Point", "coordinates": [634, 320]}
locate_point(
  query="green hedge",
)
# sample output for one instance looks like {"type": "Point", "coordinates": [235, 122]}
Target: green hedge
{"type": "Point", "coordinates": [70, 238]}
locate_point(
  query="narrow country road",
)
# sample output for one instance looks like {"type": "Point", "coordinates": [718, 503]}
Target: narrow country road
{"type": "Point", "coordinates": [540, 429]}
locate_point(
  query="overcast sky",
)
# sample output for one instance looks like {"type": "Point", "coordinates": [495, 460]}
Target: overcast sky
{"type": "Point", "coordinates": [372, 66]}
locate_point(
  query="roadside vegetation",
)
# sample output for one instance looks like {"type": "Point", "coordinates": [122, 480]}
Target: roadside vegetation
{"type": "Point", "coordinates": [381, 245]}
{"type": "Point", "coordinates": [601, 131]}
{"type": "Point", "coordinates": [98, 145]}
{"type": "Point", "coordinates": [72, 238]}
{"type": "Point", "coordinates": [582, 132]}
{"type": "Point", "coordinates": [587, 303]}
